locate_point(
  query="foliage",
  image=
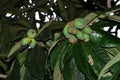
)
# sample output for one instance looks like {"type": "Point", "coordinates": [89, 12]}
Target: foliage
{"type": "Point", "coordinates": [54, 57]}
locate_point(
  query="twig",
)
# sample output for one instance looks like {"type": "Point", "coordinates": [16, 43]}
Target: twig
{"type": "Point", "coordinates": [3, 76]}
{"type": "Point", "coordinates": [109, 3]}
{"type": "Point", "coordinates": [45, 26]}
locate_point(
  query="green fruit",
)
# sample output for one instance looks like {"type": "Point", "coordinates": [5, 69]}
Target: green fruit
{"type": "Point", "coordinates": [87, 30]}
{"type": "Point", "coordinates": [79, 35]}
{"type": "Point", "coordinates": [33, 43]}
{"type": "Point", "coordinates": [86, 37]}
{"type": "Point", "coordinates": [72, 39]}
{"type": "Point", "coordinates": [49, 43]}
{"type": "Point", "coordinates": [72, 30]}
{"type": "Point", "coordinates": [65, 31]}
{"type": "Point", "coordinates": [25, 41]}
{"type": "Point", "coordinates": [31, 33]}
{"type": "Point", "coordinates": [79, 23]}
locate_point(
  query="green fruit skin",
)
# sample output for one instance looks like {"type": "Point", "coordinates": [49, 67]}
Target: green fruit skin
{"type": "Point", "coordinates": [31, 33]}
{"type": "Point", "coordinates": [72, 39]}
{"type": "Point", "coordinates": [80, 35]}
{"type": "Point", "coordinates": [86, 37]}
{"type": "Point", "coordinates": [87, 30]}
{"type": "Point", "coordinates": [78, 23]}
{"type": "Point", "coordinates": [49, 43]}
{"type": "Point", "coordinates": [72, 30]}
{"type": "Point", "coordinates": [33, 43]}
{"type": "Point", "coordinates": [65, 31]}
{"type": "Point", "coordinates": [25, 41]}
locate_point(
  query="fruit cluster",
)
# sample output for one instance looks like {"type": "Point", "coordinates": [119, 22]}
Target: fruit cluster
{"type": "Point", "coordinates": [76, 29]}
{"type": "Point", "coordinates": [31, 34]}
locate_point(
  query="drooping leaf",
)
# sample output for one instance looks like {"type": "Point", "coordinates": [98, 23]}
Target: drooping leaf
{"type": "Point", "coordinates": [70, 70]}
{"type": "Point", "coordinates": [3, 36]}
{"type": "Point", "coordinates": [104, 39]}
{"type": "Point", "coordinates": [112, 51]}
{"type": "Point", "coordinates": [115, 69]}
{"type": "Point", "coordinates": [81, 60]}
{"type": "Point", "coordinates": [114, 18]}
{"type": "Point", "coordinates": [28, 75]}
{"type": "Point", "coordinates": [108, 65]}
{"type": "Point", "coordinates": [57, 75]}
{"type": "Point", "coordinates": [62, 9]}
{"type": "Point", "coordinates": [22, 72]}
{"type": "Point", "coordinates": [21, 56]}
{"type": "Point", "coordinates": [35, 62]}
{"type": "Point", "coordinates": [58, 53]}
{"type": "Point", "coordinates": [104, 23]}
{"type": "Point", "coordinates": [14, 48]}
{"type": "Point", "coordinates": [15, 74]}
{"type": "Point", "coordinates": [56, 25]}
{"type": "Point", "coordinates": [96, 55]}
{"type": "Point", "coordinates": [88, 18]}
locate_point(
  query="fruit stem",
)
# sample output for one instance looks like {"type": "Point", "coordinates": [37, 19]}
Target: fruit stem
{"type": "Point", "coordinates": [45, 26]}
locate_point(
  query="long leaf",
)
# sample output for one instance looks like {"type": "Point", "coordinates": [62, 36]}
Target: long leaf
{"type": "Point", "coordinates": [104, 39]}
{"type": "Point", "coordinates": [57, 75]}
{"type": "Point", "coordinates": [108, 65]}
{"type": "Point", "coordinates": [14, 49]}
{"type": "Point", "coordinates": [97, 56]}
{"type": "Point", "coordinates": [70, 71]}
{"type": "Point", "coordinates": [81, 60]}
{"type": "Point", "coordinates": [58, 52]}
{"type": "Point", "coordinates": [35, 62]}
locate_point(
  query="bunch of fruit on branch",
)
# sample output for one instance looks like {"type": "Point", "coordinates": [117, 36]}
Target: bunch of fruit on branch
{"type": "Point", "coordinates": [76, 29]}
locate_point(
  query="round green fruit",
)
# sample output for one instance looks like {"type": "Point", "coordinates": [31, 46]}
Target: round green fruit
{"type": "Point", "coordinates": [65, 31]}
{"type": "Point", "coordinates": [49, 43]}
{"type": "Point", "coordinates": [72, 30]}
{"type": "Point", "coordinates": [80, 35]}
{"type": "Point", "coordinates": [86, 37]}
{"type": "Point", "coordinates": [72, 39]}
{"type": "Point", "coordinates": [87, 30]}
{"type": "Point", "coordinates": [79, 23]}
{"type": "Point", "coordinates": [31, 33]}
{"type": "Point", "coordinates": [33, 43]}
{"type": "Point", "coordinates": [25, 41]}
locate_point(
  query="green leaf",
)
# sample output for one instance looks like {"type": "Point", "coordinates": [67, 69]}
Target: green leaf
{"type": "Point", "coordinates": [41, 2]}
{"type": "Point", "coordinates": [81, 59]}
{"type": "Point", "coordinates": [21, 56]}
{"type": "Point", "coordinates": [113, 9]}
{"type": "Point", "coordinates": [108, 65]}
{"type": "Point", "coordinates": [62, 9]}
{"type": "Point", "coordinates": [70, 70]}
{"type": "Point", "coordinates": [104, 23]}
{"type": "Point", "coordinates": [35, 62]}
{"type": "Point", "coordinates": [28, 75]}
{"type": "Point", "coordinates": [66, 54]}
{"type": "Point", "coordinates": [112, 51]}
{"type": "Point", "coordinates": [57, 25]}
{"type": "Point", "coordinates": [3, 36]}
{"type": "Point", "coordinates": [15, 74]}
{"type": "Point", "coordinates": [104, 39]}
{"type": "Point", "coordinates": [58, 53]}
{"type": "Point", "coordinates": [97, 56]}
{"type": "Point", "coordinates": [115, 69]}
{"type": "Point", "coordinates": [22, 72]}
{"type": "Point", "coordinates": [16, 47]}
{"type": "Point", "coordinates": [57, 75]}
{"type": "Point", "coordinates": [114, 18]}
{"type": "Point", "coordinates": [44, 35]}
{"type": "Point", "coordinates": [90, 18]}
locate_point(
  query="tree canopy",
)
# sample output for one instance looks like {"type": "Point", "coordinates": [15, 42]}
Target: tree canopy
{"type": "Point", "coordinates": [59, 40]}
